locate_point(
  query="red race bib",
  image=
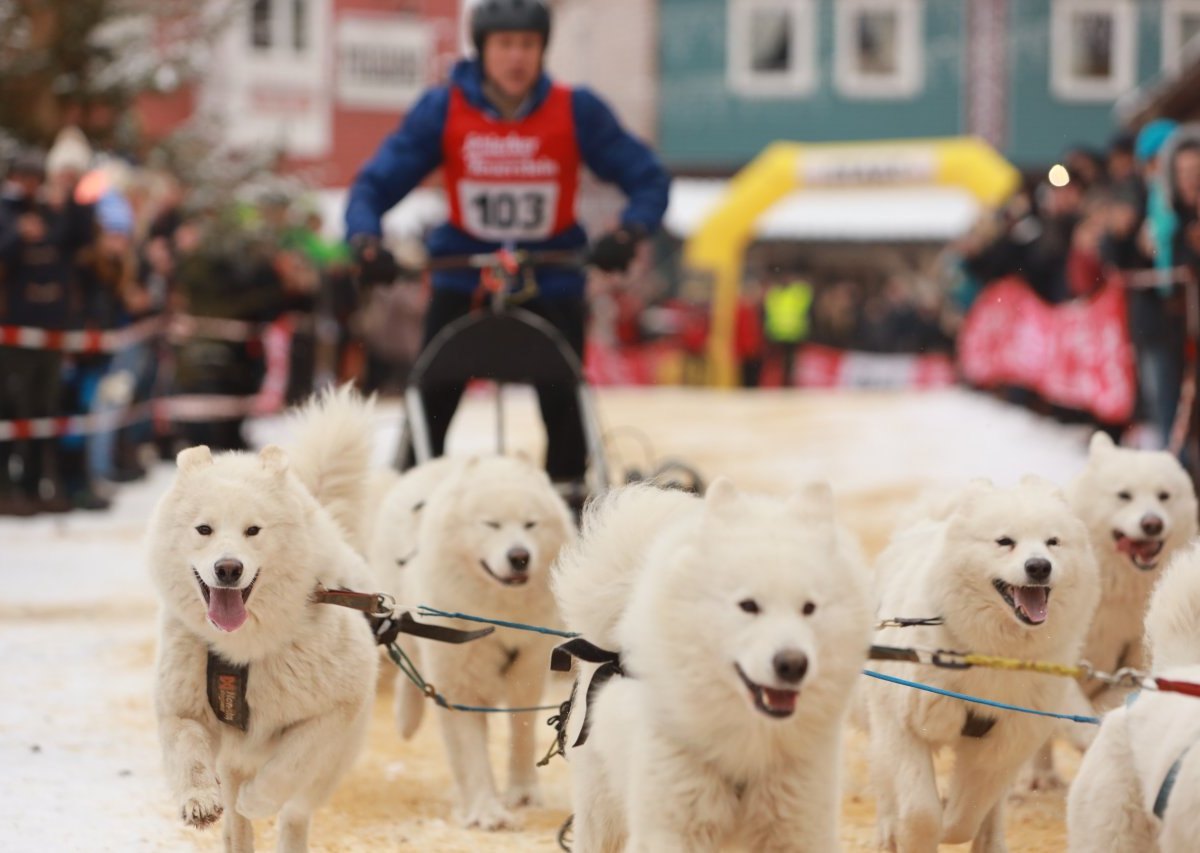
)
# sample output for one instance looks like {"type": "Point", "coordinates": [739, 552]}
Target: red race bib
{"type": "Point", "coordinates": [511, 180]}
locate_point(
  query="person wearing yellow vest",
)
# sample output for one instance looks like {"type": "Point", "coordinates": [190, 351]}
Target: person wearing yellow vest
{"type": "Point", "coordinates": [786, 310]}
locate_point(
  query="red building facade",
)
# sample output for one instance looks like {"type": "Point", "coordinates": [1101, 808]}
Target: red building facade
{"type": "Point", "coordinates": [319, 81]}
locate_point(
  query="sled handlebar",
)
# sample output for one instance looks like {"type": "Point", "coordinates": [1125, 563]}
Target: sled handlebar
{"type": "Point", "coordinates": [511, 260]}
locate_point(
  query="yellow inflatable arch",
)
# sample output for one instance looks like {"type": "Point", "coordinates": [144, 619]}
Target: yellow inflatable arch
{"type": "Point", "coordinates": [713, 255]}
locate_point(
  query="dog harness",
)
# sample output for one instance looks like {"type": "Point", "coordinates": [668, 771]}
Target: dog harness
{"type": "Point", "coordinates": [227, 691]}
{"type": "Point", "coordinates": [977, 725]}
{"type": "Point", "coordinates": [227, 682]}
{"type": "Point", "coordinates": [1168, 782]}
{"type": "Point", "coordinates": [560, 661]}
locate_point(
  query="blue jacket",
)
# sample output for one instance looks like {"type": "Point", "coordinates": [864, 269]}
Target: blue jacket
{"type": "Point", "coordinates": [409, 154]}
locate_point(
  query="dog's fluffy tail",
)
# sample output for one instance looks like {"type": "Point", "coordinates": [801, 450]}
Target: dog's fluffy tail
{"type": "Point", "coordinates": [594, 575]}
{"type": "Point", "coordinates": [332, 453]}
{"type": "Point", "coordinates": [1173, 618]}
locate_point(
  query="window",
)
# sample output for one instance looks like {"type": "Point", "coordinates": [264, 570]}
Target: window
{"type": "Point", "coordinates": [771, 47]}
{"type": "Point", "coordinates": [1092, 49]}
{"type": "Point", "coordinates": [1180, 33]}
{"type": "Point", "coordinates": [879, 48]}
{"type": "Point", "coordinates": [260, 24]}
{"type": "Point", "coordinates": [280, 26]}
{"type": "Point", "coordinates": [299, 25]}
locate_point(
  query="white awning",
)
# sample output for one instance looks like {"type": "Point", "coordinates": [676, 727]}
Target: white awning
{"type": "Point", "coordinates": [932, 213]}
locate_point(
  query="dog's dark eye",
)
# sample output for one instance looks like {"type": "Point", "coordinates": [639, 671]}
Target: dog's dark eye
{"type": "Point", "coordinates": [418, 506]}
{"type": "Point", "coordinates": [1164, 496]}
{"type": "Point", "coordinates": [1005, 542]}
{"type": "Point", "coordinates": [495, 525]}
{"type": "Point", "coordinates": [529, 525]}
{"type": "Point", "coordinates": [1125, 496]}
{"type": "Point", "coordinates": [253, 530]}
{"type": "Point", "coordinates": [749, 605]}
{"type": "Point", "coordinates": [1052, 542]}
{"type": "Point", "coordinates": [809, 608]}
{"type": "Point", "coordinates": [204, 530]}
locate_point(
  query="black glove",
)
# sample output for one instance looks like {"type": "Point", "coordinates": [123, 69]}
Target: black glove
{"type": "Point", "coordinates": [374, 263]}
{"type": "Point", "coordinates": [615, 250]}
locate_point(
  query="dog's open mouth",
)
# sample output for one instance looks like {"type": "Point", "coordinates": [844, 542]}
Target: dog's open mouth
{"type": "Point", "coordinates": [770, 700]}
{"type": "Point", "coordinates": [511, 580]}
{"type": "Point", "coordinates": [1029, 603]}
{"type": "Point", "coordinates": [1143, 553]}
{"type": "Point", "coordinates": [226, 605]}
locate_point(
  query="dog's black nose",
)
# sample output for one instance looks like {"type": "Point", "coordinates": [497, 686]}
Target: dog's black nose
{"type": "Point", "coordinates": [518, 558]}
{"type": "Point", "coordinates": [1038, 568]}
{"type": "Point", "coordinates": [229, 572]}
{"type": "Point", "coordinates": [1152, 525]}
{"type": "Point", "coordinates": [790, 665]}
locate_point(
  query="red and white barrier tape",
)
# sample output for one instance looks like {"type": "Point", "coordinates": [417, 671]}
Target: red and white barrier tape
{"type": "Point", "coordinates": [80, 340]}
{"type": "Point", "coordinates": [177, 327]}
{"type": "Point", "coordinates": [185, 408]}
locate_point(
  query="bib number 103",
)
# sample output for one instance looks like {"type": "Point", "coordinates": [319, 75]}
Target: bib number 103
{"type": "Point", "coordinates": [509, 212]}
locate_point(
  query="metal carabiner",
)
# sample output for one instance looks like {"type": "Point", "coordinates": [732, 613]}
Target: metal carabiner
{"type": "Point", "coordinates": [385, 605]}
{"type": "Point", "coordinates": [942, 658]}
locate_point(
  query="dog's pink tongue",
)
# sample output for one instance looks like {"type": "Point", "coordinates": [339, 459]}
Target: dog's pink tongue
{"type": "Point", "coordinates": [226, 609]}
{"type": "Point", "coordinates": [779, 700]}
{"type": "Point", "coordinates": [1032, 601]}
{"type": "Point", "coordinates": [1147, 549]}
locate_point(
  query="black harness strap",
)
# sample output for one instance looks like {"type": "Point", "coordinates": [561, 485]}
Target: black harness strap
{"type": "Point", "coordinates": [560, 661]}
{"type": "Point", "coordinates": [386, 625]}
{"type": "Point", "coordinates": [977, 725]}
{"type": "Point", "coordinates": [893, 653]}
{"type": "Point", "coordinates": [227, 684]}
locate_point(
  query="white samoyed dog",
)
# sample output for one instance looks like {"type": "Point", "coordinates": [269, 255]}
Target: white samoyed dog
{"type": "Point", "coordinates": [397, 521]}
{"type": "Point", "coordinates": [1012, 574]}
{"type": "Point", "coordinates": [486, 537]}
{"type": "Point", "coordinates": [237, 547]}
{"type": "Point", "coordinates": [1140, 508]}
{"type": "Point", "coordinates": [1138, 788]}
{"type": "Point", "coordinates": [742, 622]}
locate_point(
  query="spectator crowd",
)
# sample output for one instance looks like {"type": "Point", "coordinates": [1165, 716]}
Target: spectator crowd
{"type": "Point", "coordinates": [1129, 213]}
{"type": "Point", "coordinates": [88, 241]}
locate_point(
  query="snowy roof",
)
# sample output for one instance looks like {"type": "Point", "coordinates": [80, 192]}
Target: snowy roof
{"type": "Point", "coordinates": [929, 213]}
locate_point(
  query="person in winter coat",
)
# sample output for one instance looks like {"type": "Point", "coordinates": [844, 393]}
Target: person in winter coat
{"type": "Point", "coordinates": [38, 289]}
{"type": "Point", "coordinates": [510, 142]}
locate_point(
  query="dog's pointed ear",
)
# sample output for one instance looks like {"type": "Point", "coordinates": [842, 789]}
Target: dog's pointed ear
{"type": "Point", "coordinates": [976, 489]}
{"type": "Point", "coordinates": [194, 458]}
{"type": "Point", "coordinates": [813, 502]}
{"type": "Point", "coordinates": [721, 493]}
{"type": "Point", "coordinates": [1100, 444]}
{"type": "Point", "coordinates": [1038, 482]}
{"type": "Point", "coordinates": [274, 459]}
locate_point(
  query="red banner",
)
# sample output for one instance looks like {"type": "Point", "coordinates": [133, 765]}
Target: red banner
{"type": "Point", "coordinates": [1076, 355]}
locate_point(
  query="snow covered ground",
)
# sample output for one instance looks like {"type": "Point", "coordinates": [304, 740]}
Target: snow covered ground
{"type": "Point", "coordinates": [78, 751]}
